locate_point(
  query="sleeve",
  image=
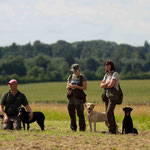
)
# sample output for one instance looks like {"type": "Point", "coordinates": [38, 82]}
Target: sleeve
{"type": "Point", "coordinates": [69, 77]}
{"type": "Point", "coordinates": [24, 100]}
{"type": "Point", "coordinates": [3, 99]}
{"type": "Point", "coordinates": [104, 79]}
{"type": "Point", "coordinates": [83, 78]}
{"type": "Point", "coordinates": [115, 76]}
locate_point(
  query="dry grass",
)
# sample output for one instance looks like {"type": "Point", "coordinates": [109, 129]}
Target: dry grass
{"type": "Point", "coordinates": [62, 108]}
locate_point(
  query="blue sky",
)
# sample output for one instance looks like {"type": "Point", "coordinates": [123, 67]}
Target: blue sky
{"type": "Point", "coordinates": [120, 21]}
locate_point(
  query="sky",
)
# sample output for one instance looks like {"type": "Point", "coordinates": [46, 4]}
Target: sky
{"type": "Point", "coordinates": [120, 21]}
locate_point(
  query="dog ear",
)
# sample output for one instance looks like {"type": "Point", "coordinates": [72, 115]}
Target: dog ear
{"type": "Point", "coordinates": [124, 109]}
{"type": "Point", "coordinates": [92, 105]}
{"type": "Point", "coordinates": [85, 105]}
{"type": "Point", "coordinates": [130, 109]}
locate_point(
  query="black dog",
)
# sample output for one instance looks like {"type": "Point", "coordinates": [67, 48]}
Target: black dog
{"type": "Point", "coordinates": [127, 122]}
{"type": "Point", "coordinates": [37, 116]}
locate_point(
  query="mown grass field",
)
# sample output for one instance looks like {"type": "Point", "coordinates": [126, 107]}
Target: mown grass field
{"type": "Point", "coordinates": [135, 91]}
{"type": "Point", "coordinates": [50, 98]}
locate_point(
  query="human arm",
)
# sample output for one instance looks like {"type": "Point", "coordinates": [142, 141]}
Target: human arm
{"type": "Point", "coordinates": [6, 118]}
{"type": "Point", "coordinates": [113, 80]}
{"type": "Point", "coordinates": [104, 84]}
{"type": "Point", "coordinates": [28, 108]}
{"type": "Point", "coordinates": [81, 86]}
{"type": "Point", "coordinates": [68, 85]}
{"type": "Point", "coordinates": [2, 104]}
{"type": "Point", "coordinates": [111, 83]}
{"type": "Point", "coordinates": [26, 105]}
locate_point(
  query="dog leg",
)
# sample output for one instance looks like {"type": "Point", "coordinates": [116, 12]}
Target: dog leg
{"type": "Point", "coordinates": [41, 124]}
{"type": "Point", "coordinates": [90, 123]}
{"type": "Point", "coordinates": [94, 126]}
{"type": "Point", "coordinates": [28, 126]}
{"type": "Point", "coordinates": [24, 125]}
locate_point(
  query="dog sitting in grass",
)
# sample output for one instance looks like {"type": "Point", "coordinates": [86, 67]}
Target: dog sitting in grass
{"type": "Point", "coordinates": [127, 124]}
{"type": "Point", "coordinates": [94, 116]}
{"type": "Point", "coordinates": [37, 116]}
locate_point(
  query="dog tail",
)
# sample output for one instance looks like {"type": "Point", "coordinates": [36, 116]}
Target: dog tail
{"type": "Point", "coordinates": [134, 131]}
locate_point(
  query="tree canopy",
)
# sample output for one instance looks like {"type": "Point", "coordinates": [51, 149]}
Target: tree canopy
{"type": "Point", "coordinates": [39, 62]}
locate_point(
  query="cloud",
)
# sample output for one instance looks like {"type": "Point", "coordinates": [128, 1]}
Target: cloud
{"type": "Point", "coordinates": [48, 20]}
{"type": "Point", "coordinates": [6, 10]}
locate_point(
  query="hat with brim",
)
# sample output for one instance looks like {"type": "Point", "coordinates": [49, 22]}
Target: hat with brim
{"type": "Point", "coordinates": [13, 81]}
{"type": "Point", "coordinates": [74, 67]}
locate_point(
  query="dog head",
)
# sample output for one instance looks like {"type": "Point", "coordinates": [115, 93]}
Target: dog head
{"type": "Point", "coordinates": [21, 110]}
{"type": "Point", "coordinates": [127, 110]}
{"type": "Point", "coordinates": [89, 107]}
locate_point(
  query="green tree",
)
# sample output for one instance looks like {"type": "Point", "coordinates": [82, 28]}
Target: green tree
{"type": "Point", "coordinates": [13, 65]}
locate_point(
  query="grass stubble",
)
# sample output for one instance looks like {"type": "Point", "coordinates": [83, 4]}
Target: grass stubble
{"type": "Point", "coordinates": [57, 134]}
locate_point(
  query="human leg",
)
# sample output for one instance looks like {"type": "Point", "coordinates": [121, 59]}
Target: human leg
{"type": "Point", "coordinates": [111, 117]}
{"type": "Point", "coordinates": [106, 105]}
{"type": "Point", "coordinates": [80, 113]}
{"type": "Point", "coordinates": [71, 110]}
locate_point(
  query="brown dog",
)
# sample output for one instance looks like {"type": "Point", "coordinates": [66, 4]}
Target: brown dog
{"type": "Point", "coordinates": [94, 116]}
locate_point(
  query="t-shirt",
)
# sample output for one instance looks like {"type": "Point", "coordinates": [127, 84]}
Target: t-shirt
{"type": "Point", "coordinates": [114, 75]}
{"type": "Point", "coordinates": [76, 79]}
{"type": "Point", "coordinates": [12, 103]}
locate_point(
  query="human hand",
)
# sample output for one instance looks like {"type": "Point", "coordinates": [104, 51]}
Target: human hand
{"type": "Point", "coordinates": [73, 86]}
{"type": "Point", "coordinates": [6, 119]}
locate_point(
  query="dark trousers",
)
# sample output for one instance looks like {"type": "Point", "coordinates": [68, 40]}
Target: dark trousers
{"type": "Point", "coordinates": [110, 107]}
{"type": "Point", "coordinates": [72, 109]}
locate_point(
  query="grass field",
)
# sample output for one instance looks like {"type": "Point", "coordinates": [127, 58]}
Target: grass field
{"type": "Point", "coordinates": [50, 98]}
{"type": "Point", "coordinates": [135, 91]}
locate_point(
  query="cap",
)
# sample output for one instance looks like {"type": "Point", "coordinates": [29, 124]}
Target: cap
{"type": "Point", "coordinates": [13, 81]}
{"type": "Point", "coordinates": [74, 67]}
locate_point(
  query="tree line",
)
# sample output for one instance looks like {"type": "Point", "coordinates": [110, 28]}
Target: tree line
{"type": "Point", "coordinates": [40, 62]}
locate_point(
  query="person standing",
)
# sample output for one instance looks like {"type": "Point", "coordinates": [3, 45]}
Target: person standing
{"type": "Point", "coordinates": [110, 80]}
{"type": "Point", "coordinates": [76, 82]}
{"type": "Point", "coordinates": [9, 104]}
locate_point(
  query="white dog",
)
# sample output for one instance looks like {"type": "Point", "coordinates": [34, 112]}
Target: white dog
{"type": "Point", "coordinates": [94, 116]}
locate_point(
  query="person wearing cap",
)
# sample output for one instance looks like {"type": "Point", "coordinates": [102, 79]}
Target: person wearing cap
{"type": "Point", "coordinates": [76, 81]}
{"type": "Point", "coordinates": [9, 104]}
{"type": "Point", "coordinates": [111, 79]}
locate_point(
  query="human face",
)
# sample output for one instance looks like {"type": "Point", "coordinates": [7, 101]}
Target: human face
{"type": "Point", "coordinates": [108, 67]}
{"type": "Point", "coordinates": [13, 86]}
{"type": "Point", "coordinates": [76, 71]}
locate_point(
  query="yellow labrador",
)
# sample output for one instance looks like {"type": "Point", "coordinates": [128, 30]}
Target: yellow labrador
{"type": "Point", "coordinates": [94, 116]}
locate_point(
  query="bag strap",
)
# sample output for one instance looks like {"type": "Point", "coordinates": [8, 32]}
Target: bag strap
{"type": "Point", "coordinates": [81, 78]}
{"type": "Point", "coordinates": [70, 77]}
